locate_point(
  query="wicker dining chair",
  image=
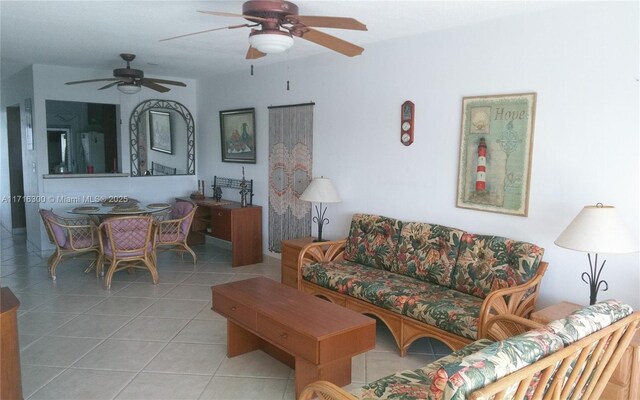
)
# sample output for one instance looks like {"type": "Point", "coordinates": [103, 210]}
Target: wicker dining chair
{"type": "Point", "coordinates": [71, 236]}
{"type": "Point", "coordinates": [172, 233]}
{"type": "Point", "coordinates": [127, 242]}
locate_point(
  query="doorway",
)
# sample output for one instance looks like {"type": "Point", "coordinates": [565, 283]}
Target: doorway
{"type": "Point", "coordinates": [16, 183]}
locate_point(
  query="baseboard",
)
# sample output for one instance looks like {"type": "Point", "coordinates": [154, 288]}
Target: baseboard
{"type": "Point", "coordinates": [19, 231]}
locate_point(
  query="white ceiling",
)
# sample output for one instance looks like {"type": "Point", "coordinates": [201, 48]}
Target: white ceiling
{"type": "Point", "coordinates": [91, 33]}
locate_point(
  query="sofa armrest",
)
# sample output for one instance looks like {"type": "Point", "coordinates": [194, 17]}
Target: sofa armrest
{"type": "Point", "coordinates": [324, 390]}
{"type": "Point", "coordinates": [320, 252]}
{"type": "Point", "coordinates": [501, 327]}
{"type": "Point", "coordinates": [518, 300]}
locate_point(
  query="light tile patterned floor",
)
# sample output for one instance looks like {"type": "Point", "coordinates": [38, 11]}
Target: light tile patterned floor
{"type": "Point", "coordinates": [140, 341]}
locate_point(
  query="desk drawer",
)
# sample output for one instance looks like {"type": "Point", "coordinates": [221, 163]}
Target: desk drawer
{"type": "Point", "coordinates": [236, 312]}
{"type": "Point", "coordinates": [285, 337]}
{"type": "Point", "coordinates": [221, 223]}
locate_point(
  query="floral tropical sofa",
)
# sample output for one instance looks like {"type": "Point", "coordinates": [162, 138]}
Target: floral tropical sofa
{"type": "Point", "coordinates": [424, 279]}
{"type": "Point", "coordinates": [570, 358]}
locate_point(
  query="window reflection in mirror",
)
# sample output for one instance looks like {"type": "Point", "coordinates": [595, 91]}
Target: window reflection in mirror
{"type": "Point", "coordinates": [82, 137]}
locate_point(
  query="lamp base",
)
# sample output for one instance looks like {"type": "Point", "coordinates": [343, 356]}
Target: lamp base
{"type": "Point", "coordinates": [592, 278]}
{"type": "Point", "coordinates": [319, 240]}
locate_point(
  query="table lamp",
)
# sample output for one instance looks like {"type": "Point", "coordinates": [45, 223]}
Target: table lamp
{"type": "Point", "coordinates": [320, 190]}
{"type": "Point", "coordinates": [597, 229]}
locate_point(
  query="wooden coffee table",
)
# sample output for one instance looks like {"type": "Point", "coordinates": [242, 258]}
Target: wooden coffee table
{"type": "Point", "coordinates": [315, 337]}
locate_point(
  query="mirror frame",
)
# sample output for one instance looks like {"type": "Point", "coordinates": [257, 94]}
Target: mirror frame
{"type": "Point", "coordinates": [134, 132]}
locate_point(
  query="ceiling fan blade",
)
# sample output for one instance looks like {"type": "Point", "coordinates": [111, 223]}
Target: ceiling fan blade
{"type": "Point", "coordinates": [165, 81]}
{"type": "Point", "coordinates": [93, 80]}
{"type": "Point", "coordinates": [328, 22]}
{"type": "Point", "coordinates": [226, 14]}
{"type": "Point", "coordinates": [154, 86]}
{"type": "Point", "coordinates": [254, 53]}
{"type": "Point", "coordinates": [107, 86]}
{"type": "Point", "coordinates": [208, 30]}
{"type": "Point", "coordinates": [332, 42]}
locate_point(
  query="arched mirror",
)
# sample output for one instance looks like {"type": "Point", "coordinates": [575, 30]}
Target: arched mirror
{"type": "Point", "coordinates": [162, 139]}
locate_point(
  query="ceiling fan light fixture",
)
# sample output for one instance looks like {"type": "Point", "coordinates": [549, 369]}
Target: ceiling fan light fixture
{"type": "Point", "coordinates": [270, 42]}
{"type": "Point", "coordinates": [128, 88]}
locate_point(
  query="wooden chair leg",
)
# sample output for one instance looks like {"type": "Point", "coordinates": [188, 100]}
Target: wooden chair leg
{"type": "Point", "coordinates": [152, 269]}
{"type": "Point", "coordinates": [110, 272]}
{"type": "Point", "coordinates": [99, 266]}
{"type": "Point", "coordinates": [94, 264]}
{"type": "Point", "coordinates": [51, 258]}
{"type": "Point", "coordinates": [193, 254]}
{"type": "Point", "coordinates": [54, 264]}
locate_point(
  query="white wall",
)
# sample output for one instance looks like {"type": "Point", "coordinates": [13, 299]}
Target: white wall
{"type": "Point", "coordinates": [48, 84]}
{"type": "Point", "coordinates": [14, 92]}
{"type": "Point", "coordinates": [583, 62]}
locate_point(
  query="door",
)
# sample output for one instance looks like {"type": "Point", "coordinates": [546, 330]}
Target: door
{"type": "Point", "coordinates": [14, 140]}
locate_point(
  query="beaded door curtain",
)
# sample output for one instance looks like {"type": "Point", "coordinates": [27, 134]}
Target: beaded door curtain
{"type": "Point", "coordinates": [290, 161]}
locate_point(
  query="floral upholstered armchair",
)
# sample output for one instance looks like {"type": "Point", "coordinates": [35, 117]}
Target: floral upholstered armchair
{"type": "Point", "coordinates": [570, 358]}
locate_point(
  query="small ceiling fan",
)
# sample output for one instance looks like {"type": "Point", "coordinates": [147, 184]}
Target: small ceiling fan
{"type": "Point", "coordinates": [279, 22]}
{"type": "Point", "coordinates": [130, 80]}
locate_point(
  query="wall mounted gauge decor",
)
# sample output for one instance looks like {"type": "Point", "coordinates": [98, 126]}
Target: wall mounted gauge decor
{"type": "Point", "coordinates": [407, 113]}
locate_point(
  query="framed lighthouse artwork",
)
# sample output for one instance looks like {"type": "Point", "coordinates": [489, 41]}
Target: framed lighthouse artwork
{"type": "Point", "coordinates": [495, 153]}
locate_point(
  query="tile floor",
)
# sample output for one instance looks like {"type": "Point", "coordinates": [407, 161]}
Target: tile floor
{"type": "Point", "coordinates": [140, 341]}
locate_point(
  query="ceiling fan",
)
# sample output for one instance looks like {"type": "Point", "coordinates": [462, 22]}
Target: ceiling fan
{"type": "Point", "coordinates": [278, 22]}
{"type": "Point", "coordinates": [130, 80]}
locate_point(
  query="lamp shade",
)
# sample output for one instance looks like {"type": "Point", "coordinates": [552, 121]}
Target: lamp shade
{"type": "Point", "coordinates": [597, 229]}
{"type": "Point", "coordinates": [128, 88]}
{"type": "Point", "coordinates": [321, 190]}
{"type": "Point", "coordinates": [270, 42]}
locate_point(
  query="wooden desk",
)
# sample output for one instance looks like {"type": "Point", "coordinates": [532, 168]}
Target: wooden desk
{"type": "Point", "coordinates": [10, 377]}
{"type": "Point", "coordinates": [314, 336]}
{"type": "Point", "coordinates": [625, 381]}
{"type": "Point", "coordinates": [226, 220]}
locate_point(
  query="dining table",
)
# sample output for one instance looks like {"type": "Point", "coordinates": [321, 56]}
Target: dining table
{"type": "Point", "coordinates": [98, 212]}
{"type": "Point", "coordinates": [106, 210]}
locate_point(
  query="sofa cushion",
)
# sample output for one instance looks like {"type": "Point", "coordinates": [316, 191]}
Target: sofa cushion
{"type": "Point", "coordinates": [487, 263]}
{"type": "Point", "coordinates": [448, 309]}
{"type": "Point", "coordinates": [414, 384]}
{"type": "Point", "coordinates": [459, 379]}
{"type": "Point", "coordinates": [372, 285]}
{"type": "Point", "coordinates": [587, 320]}
{"type": "Point", "coordinates": [435, 305]}
{"type": "Point", "coordinates": [428, 252]}
{"type": "Point", "coordinates": [373, 241]}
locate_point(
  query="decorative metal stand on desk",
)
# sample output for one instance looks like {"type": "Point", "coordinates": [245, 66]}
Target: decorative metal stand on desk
{"type": "Point", "coordinates": [219, 183]}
